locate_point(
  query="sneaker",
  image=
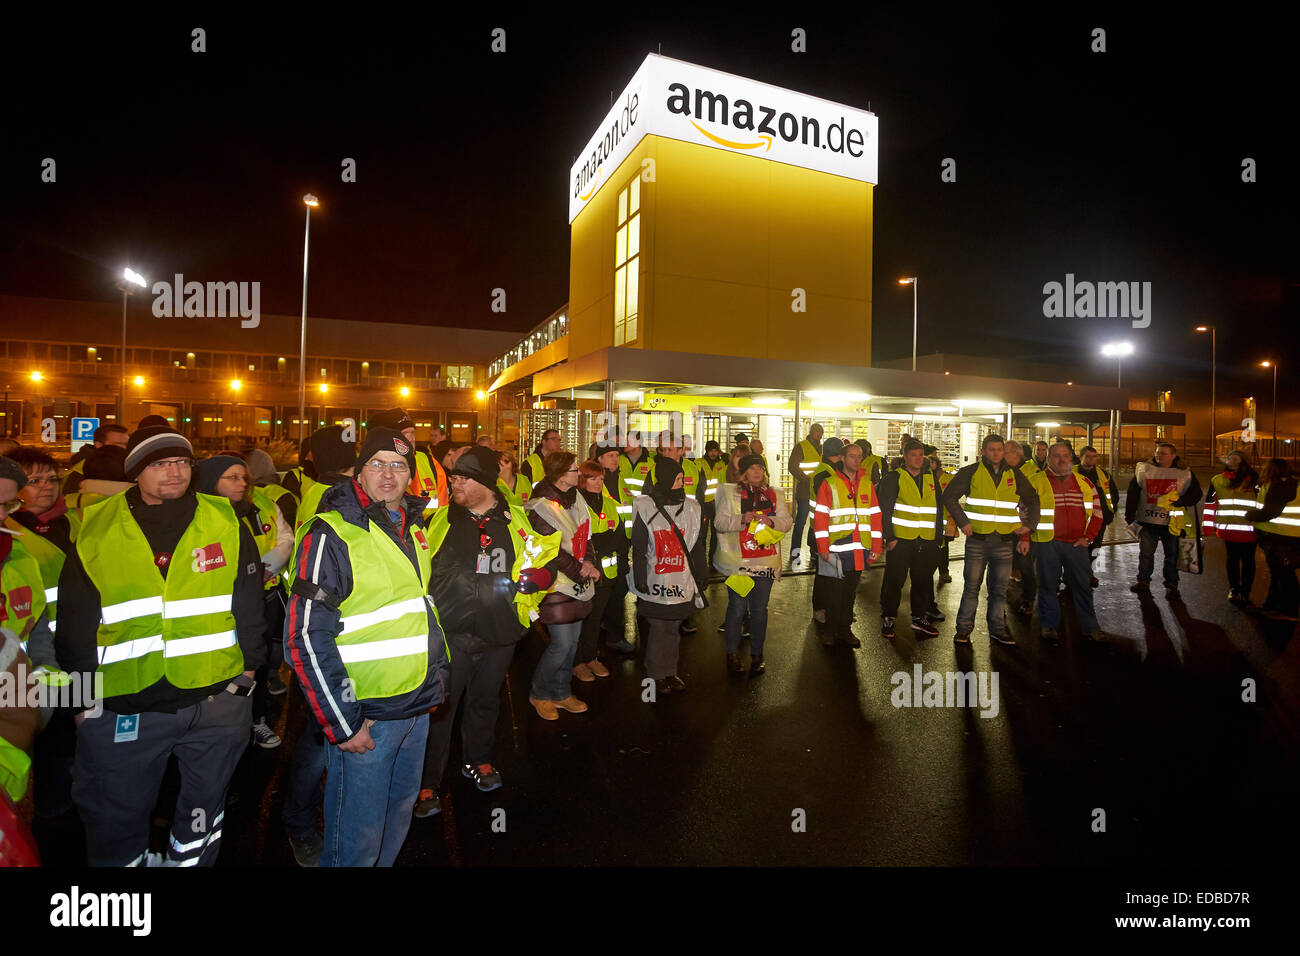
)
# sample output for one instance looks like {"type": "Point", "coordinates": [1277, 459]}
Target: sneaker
{"type": "Point", "coordinates": [264, 736]}
{"type": "Point", "coordinates": [1015, 575]}
{"type": "Point", "coordinates": [722, 628]}
{"type": "Point", "coordinates": [274, 686]}
{"type": "Point", "coordinates": [1051, 634]}
{"type": "Point", "coordinates": [923, 625]}
{"type": "Point", "coordinates": [1171, 594]}
{"type": "Point", "coordinates": [934, 614]}
{"type": "Point", "coordinates": [427, 804]}
{"type": "Point", "coordinates": [688, 628]}
{"type": "Point", "coordinates": [756, 665]}
{"type": "Point", "coordinates": [1140, 587]}
{"type": "Point", "coordinates": [887, 627]}
{"type": "Point", "coordinates": [819, 616]}
{"type": "Point", "coordinates": [583, 673]}
{"type": "Point", "coordinates": [1002, 637]}
{"type": "Point", "coordinates": [597, 668]}
{"type": "Point", "coordinates": [307, 850]}
{"type": "Point", "coordinates": [484, 775]}
{"type": "Point", "coordinates": [961, 637]}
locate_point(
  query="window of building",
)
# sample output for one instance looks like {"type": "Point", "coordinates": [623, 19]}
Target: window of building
{"type": "Point", "coordinates": [627, 249]}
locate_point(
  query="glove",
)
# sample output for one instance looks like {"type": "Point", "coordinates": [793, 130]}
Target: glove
{"type": "Point", "coordinates": [533, 580]}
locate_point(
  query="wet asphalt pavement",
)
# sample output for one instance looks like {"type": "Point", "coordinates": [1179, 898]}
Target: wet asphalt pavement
{"type": "Point", "coordinates": [1151, 729]}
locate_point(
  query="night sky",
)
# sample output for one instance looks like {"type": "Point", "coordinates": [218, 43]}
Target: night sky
{"type": "Point", "coordinates": [1119, 166]}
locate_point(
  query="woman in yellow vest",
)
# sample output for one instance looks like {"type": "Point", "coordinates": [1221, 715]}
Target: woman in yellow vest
{"type": "Point", "coordinates": [555, 506]}
{"type": "Point", "coordinates": [515, 486]}
{"type": "Point", "coordinates": [227, 476]}
{"type": "Point", "coordinates": [1278, 524]}
{"type": "Point", "coordinates": [607, 539]}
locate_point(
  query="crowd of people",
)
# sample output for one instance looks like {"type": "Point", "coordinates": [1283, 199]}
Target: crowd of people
{"type": "Point", "coordinates": [393, 582]}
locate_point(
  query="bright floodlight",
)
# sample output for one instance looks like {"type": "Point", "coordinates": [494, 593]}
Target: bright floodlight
{"type": "Point", "coordinates": [1266, 364]}
{"type": "Point", "coordinates": [236, 384]}
{"type": "Point", "coordinates": [139, 380]}
{"type": "Point", "coordinates": [37, 376]}
{"type": "Point", "coordinates": [1202, 328]}
{"type": "Point", "coordinates": [1119, 349]}
{"type": "Point", "coordinates": [311, 200]}
{"type": "Point", "coordinates": [323, 388]}
{"type": "Point", "coordinates": [130, 275]}
{"type": "Point", "coordinates": [404, 391]}
{"type": "Point", "coordinates": [907, 281]}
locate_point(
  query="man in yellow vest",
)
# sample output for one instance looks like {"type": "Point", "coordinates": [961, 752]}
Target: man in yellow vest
{"type": "Point", "coordinates": [161, 600]}
{"type": "Point", "coordinates": [430, 478]}
{"type": "Point", "coordinates": [1107, 491]}
{"type": "Point", "coordinates": [299, 478]}
{"type": "Point", "coordinates": [1000, 511]}
{"type": "Point", "coordinates": [335, 459]}
{"type": "Point", "coordinates": [1277, 521]}
{"type": "Point", "coordinates": [805, 458]}
{"type": "Point", "coordinates": [634, 467]}
{"type": "Point", "coordinates": [363, 637]}
{"type": "Point", "coordinates": [911, 512]}
{"type": "Point", "coordinates": [1069, 518]}
{"type": "Point", "coordinates": [712, 473]}
{"type": "Point", "coordinates": [531, 467]}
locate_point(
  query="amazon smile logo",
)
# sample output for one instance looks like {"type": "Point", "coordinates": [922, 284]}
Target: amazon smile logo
{"type": "Point", "coordinates": [764, 124]}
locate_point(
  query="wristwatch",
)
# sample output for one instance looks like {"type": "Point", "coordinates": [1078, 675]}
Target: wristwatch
{"type": "Point", "coordinates": [241, 689]}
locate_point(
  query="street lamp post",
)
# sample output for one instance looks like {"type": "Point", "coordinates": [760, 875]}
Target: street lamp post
{"type": "Point", "coordinates": [1214, 428]}
{"type": "Point", "coordinates": [912, 281]}
{"type": "Point", "coordinates": [1273, 365]}
{"type": "Point", "coordinates": [1117, 350]}
{"type": "Point", "coordinates": [129, 278]}
{"type": "Point", "coordinates": [309, 201]}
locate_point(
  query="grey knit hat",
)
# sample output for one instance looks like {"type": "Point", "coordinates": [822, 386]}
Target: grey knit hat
{"type": "Point", "coordinates": [10, 469]}
{"type": "Point", "coordinates": [154, 444]}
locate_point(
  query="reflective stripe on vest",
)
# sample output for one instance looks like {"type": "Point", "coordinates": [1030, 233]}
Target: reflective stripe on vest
{"type": "Point", "coordinates": [993, 509]}
{"type": "Point", "coordinates": [429, 481]}
{"type": "Point", "coordinates": [818, 469]}
{"type": "Point", "coordinates": [850, 517]}
{"type": "Point", "coordinates": [809, 457]}
{"type": "Point", "coordinates": [1047, 502]}
{"type": "Point", "coordinates": [915, 511]}
{"type": "Point", "coordinates": [384, 636]}
{"type": "Point", "coordinates": [1288, 522]}
{"type": "Point", "coordinates": [49, 559]}
{"type": "Point", "coordinates": [607, 519]}
{"type": "Point", "coordinates": [180, 627]}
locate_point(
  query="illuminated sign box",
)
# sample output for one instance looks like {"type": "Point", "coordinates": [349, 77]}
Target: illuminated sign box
{"type": "Point", "coordinates": [697, 105]}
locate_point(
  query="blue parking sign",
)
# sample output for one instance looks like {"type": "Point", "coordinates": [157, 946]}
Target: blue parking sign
{"type": "Point", "coordinates": [83, 432]}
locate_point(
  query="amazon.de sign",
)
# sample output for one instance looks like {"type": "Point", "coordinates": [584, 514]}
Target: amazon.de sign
{"type": "Point", "coordinates": [683, 101]}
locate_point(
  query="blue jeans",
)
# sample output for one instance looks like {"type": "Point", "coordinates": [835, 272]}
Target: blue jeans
{"type": "Point", "coordinates": [369, 796]}
{"type": "Point", "coordinates": [800, 517]}
{"type": "Point", "coordinates": [1053, 556]}
{"type": "Point", "coordinates": [553, 678]}
{"type": "Point", "coordinates": [755, 604]}
{"type": "Point", "coordinates": [305, 789]}
{"type": "Point", "coordinates": [992, 552]}
{"type": "Point", "coordinates": [1151, 537]}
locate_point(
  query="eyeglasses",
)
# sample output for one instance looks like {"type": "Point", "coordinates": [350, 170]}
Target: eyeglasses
{"type": "Point", "coordinates": [166, 463]}
{"type": "Point", "coordinates": [47, 480]}
{"type": "Point", "coordinates": [377, 467]}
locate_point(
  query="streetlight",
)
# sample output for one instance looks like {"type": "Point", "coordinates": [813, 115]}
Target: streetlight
{"type": "Point", "coordinates": [129, 278]}
{"type": "Point", "coordinates": [236, 384]}
{"type": "Point", "coordinates": [912, 281]}
{"type": "Point", "coordinates": [139, 381]}
{"type": "Point", "coordinates": [310, 202]}
{"type": "Point", "coordinates": [1117, 350]}
{"type": "Point", "coordinates": [1214, 428]}
{"type": "Point", "coordinates": [37, 376]}
{"type": "Point", "coordinates": [404, 391]}
{"type": "Point", "coordinates": [1273, 365]}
